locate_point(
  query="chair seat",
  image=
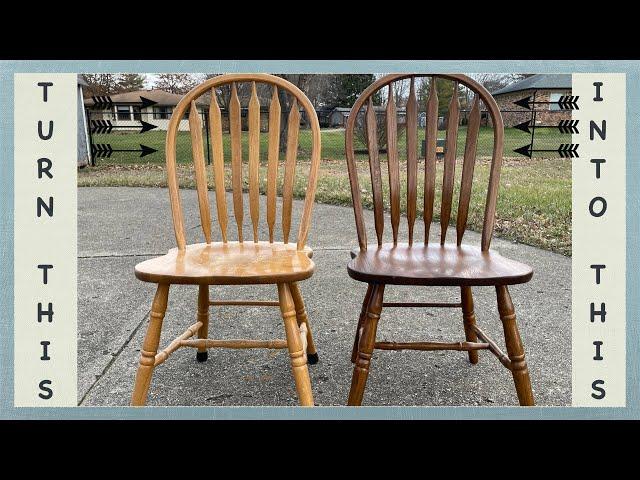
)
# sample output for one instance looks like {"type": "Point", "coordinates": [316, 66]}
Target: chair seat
{"type": "Point", "coordinates": [231, 263]}
{"type": "Point", "coordinates": [435, 264]}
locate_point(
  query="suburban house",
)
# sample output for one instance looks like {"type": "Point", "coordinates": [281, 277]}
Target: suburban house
{"type": "Point", "coordinates": [128, 109]}
{"type": "Point", "coordinates": [339, 115]}
{"type": "Point", "coordinates": [541, 88]}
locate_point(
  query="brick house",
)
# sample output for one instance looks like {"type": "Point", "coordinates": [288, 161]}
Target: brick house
{"type": "Point", "coordinates": [546, 88]}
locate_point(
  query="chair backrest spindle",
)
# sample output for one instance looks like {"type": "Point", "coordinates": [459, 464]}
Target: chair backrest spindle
{"type": "Point", "coordinates": [195, 126]}
{"type": "Point", "coordinates": [254, 160]}
{"type": "Point", "coordinates": [293, 126]}
{"type": "Point", "coordinates": [468, 164]}
{"type": "Point", "coordinates": [374, 166]}
{"type": "Point", "coordinates": [412, 158]}
{"type": "Point", "coordinates": [431, 109]}
{"type": "Point", "coordinates": [215, 127]}
{"type": "Point", "coordinates": [272, 166]}
{"type": "Point", "coordinates": [393, 166]}
{"type": "Point", "coordinates": [431, 136]}
{"type": "Point", "coordinates": [448, 178]}
{"type": "Point", "coordinates": [235, 128]}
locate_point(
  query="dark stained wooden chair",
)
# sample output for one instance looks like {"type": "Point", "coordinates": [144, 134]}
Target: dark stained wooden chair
{"type": "Point", "coordinates": [245, 261]}
{"type": "Point", "coordinates": [426, 263]}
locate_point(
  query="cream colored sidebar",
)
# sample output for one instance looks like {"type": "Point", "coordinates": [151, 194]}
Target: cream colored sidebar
{"type": "Point", "coordinates": [45, 228]}
{"type": "Point", "coordinates": [599, 246]}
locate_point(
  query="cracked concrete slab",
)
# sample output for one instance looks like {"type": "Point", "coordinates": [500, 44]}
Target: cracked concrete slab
{"type": "Point", "coordinates": [119, 227]}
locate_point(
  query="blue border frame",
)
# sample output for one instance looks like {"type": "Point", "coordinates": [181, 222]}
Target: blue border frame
{"type": "Point", "coordinates": [8, 411]}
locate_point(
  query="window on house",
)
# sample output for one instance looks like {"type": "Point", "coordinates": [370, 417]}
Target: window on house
{"type": "Point", "coordinates": [136, 113]}
{"type": "Point", "coordinates": [124, 112]}
{"type": "Point", "coordinates": [554, 97]}
{"type": "Point", "coordinates": [186, 114]}
{"type": "Point", "coordinates": [161, 113]}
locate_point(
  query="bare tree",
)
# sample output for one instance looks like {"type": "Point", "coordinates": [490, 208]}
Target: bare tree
{"type": "Point", "coordinates": [401, 92]}
{"type": "Point", "coordinates": [496, 81]}
{"type": "Point", "coordinates": [302, 82]}
{"type": "Point", "coordinates": [179, 83]}
{"type": "Point", "coordinates": [101, 83]}
{"type": "Point", "coordinates": [317, 87]}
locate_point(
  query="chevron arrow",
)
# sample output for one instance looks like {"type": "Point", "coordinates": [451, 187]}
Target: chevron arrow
{"type": "Point", "coordinates": [101, 150]}
{"type": "Point", "coordinates": [105, 150]}
{"type": "Point", "coordinates": [100, 102]}
{"type": "Point", "coordinates": [105, 126]}
{"type": "Point", "coordinates": [101, 126]}
{"type": "Point", "coordinates": [565, 126]}
{"type": "Point", "coordinates": [146, 102]}
{"type": "Point", "coordinates": [565, 102]}
{"type": "Point", "coordinates": [565, 150]}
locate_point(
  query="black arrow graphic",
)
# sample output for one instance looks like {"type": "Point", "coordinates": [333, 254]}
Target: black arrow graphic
{"type": "Point", "coordinates": [565, 102]}
{"type": "Point", "coordinates": [100, 102]}
{"type": "Point", "coordinates": [105, 150]}
{"type": "Point", "coordinates": [100, 150]}
{"type": "Point", "coordinates": [565, 150]}
{"type": "Point", "coordinates": [105, 126]}
{"type": "Point", "coordinates": [148, 126]}
{"type": "Point", "coordinates": [146, 102]}
{"type": "Point", "coordinates": [565, 126]}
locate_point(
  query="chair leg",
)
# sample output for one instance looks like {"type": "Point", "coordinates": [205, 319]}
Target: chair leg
{"type": "Point", "coordinates": [469, 319]}
{"type": "Point", "coordinates": [301, 315]}
{"type": "Point", "coordinates": [366, 345]}
{"type": "Point", "coordinates": [203, 316]}
{"type": "Point", "coordinates": [363, 314]}
{"type": "Point", "coordinates": [294, 343]}
{"type": "Point", "coordinates": [150, 346]}
{"type": "Point", "coordinates": [515, 349]}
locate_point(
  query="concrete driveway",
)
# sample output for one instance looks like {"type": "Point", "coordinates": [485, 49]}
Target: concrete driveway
{"type": "Point", "coordinates": [119, 227]}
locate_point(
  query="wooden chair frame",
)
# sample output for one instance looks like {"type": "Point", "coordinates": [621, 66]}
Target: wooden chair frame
{"type": "Point", "coordinates": [511, 273]}
{"type": "Point", "coordinates": [297, 264]}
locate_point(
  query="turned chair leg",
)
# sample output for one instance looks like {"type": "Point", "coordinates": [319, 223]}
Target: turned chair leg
{"type": "Point", "coordinates": [366, 345]}
{"type": "Point", "coordinates": [150, 346]}
{"type": "Point", "coordinates": [203, 316]}
{"type": "Point", "coordinates": [515, 349]}
{"type": "Point", "coordinates": [363, 314]}
{"type": "Point", "coordinates": [294, 343]}
{"type": "Point", "coordinates": [301, 315]}
{"type": "Point", "coordinates": [469, 320]}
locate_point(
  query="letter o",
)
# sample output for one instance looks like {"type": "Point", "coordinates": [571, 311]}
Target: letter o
{"type": "Point", "coordinates": [592, 205]}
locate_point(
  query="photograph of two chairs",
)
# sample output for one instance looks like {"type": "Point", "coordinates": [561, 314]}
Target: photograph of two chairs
{"type": "Point", "coordinates": [404, 239]}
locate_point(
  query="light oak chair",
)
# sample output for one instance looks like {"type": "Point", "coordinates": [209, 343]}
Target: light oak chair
{"type": "Point", "coordinates": [246, 261]}
{"type": "Point", "coordinates": [424, 263]}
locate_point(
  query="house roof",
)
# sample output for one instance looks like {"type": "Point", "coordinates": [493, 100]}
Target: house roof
{"type": "Point", "coordinates": [376, 108]}
{"type": "Point", "coordinates": [538, 82]}
{"type": "Point", "coordinates": [161, 97]}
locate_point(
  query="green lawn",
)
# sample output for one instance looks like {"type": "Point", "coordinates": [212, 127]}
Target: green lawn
{"type": "Point", "coordinates": [332, 144]}
{"type": "Point", "coordinates": [534, 204]}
